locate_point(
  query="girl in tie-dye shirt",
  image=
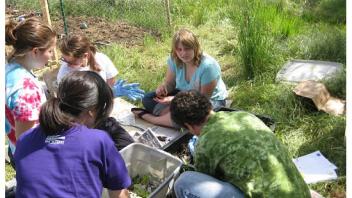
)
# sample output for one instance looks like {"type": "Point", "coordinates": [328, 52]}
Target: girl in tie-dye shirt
{"type": "Point", "coordinates": [33, 43]}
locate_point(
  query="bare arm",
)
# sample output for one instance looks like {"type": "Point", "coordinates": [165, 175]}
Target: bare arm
{"type": "Point", "coordinates": [168, 85]}
{"type": "Point", "coordinates": [119, 193]}
{"type": "Point", "coordinates": [208, 89]}
{"type": "Point", "coordinates": [21, 127]}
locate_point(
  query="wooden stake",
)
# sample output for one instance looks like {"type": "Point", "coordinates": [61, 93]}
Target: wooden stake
{"type": "Point", "coordinates": [167, 10]}
{"type": "Point", "coordinates": [46, 15]}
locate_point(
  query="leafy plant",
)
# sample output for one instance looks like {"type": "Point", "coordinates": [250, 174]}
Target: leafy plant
{"type": "Point", "coordinates": [320, 43]}
{"type": "Point", "coordinates": [337, 85]}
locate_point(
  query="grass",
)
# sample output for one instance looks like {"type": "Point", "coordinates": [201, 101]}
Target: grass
{"type": "Point", "coordinates": [9, 172]}
{"type": "Point", "coordinates": [132, 11]}
{"type": "Point", "coordinates": [330, 11]}
{"type": "Point", "coordinates": [149, 60]}
{"type": "Point", "coordinates": [278, 31]}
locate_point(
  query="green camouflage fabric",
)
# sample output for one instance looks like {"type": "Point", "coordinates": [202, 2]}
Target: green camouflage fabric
{"type": "Point", "coordinates": [239, 148]}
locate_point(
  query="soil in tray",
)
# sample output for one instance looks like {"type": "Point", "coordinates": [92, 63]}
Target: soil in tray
{"type": "Point", "coordinates": [184, 154]}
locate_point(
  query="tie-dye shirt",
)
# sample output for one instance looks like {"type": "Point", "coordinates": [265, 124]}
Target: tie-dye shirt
{"type": "Point", "coordinates": [239, 148]}
{"type": "Point", "coordinates": [24, 96]}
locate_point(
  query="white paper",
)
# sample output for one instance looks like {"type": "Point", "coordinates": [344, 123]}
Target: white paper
{"type": "Point", "coordinates": [122, 112]}
{"type": "Point", "coordinates": [314, 167]}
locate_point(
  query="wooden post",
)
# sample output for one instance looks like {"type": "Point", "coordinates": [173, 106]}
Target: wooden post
{"type": "Point", "coordinates": [46, 15]}
{"type": "Point", "coordinates": [167, 9]}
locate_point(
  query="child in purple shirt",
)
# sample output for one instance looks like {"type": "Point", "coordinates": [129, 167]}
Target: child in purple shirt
{"type": "Point", "coordinates": [64, 156]}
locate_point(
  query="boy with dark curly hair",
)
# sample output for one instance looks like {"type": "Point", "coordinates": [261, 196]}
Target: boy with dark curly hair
{"type": "Point", "coordinates": [236, 155]}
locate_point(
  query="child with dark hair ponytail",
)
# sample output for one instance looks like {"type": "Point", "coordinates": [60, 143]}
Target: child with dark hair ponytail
{"type": "Point", "coordinates": [75, 158]}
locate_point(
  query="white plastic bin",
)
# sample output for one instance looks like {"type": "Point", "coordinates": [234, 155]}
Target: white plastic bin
{"type": "Point", "coordinates": [142, 160]}
{"type": "Point", "coordinates": [295, 71]}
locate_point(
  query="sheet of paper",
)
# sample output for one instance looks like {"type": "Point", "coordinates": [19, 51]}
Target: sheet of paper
{"type": "Point", "coordinates": [314, 167]}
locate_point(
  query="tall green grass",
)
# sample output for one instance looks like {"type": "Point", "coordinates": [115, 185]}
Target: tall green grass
{"type": "Point", "coordinates": [200, 12]}
{"type": "Point", "coordinates": [253, 39]}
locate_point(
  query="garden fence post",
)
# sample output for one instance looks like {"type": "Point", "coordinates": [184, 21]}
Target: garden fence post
{"type": "Point", "coordinates": [63, 16]}
{"type": "Point", "coordinates": [45, 10]}
{"type": "Point", "coordinates": [167, 9]}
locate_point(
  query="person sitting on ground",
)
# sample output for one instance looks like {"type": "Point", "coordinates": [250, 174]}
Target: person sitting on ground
{"type": "Point", "coordinates": [33, 43]}
{"type": "Point", "coordinates": [237, 155]}
{"type": "Point", "coordinates": [79, 54]}
{"type": "Point", "coordinates": [188, 69]}
{"type": "Point", "coordinates": [64, 156]}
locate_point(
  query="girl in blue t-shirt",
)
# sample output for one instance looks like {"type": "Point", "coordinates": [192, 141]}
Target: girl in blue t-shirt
{"type": "Point", "coordinates": [188, 69]}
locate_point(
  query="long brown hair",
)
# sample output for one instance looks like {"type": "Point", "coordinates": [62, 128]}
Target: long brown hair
{"type": "Point", "coordinates": [78, 91]}
{"type": "Point", "coordinates": [27, 35]}
{"type": "Point", "coordinates": [189, 40]}
{"type": "Point", "coordinates": [76, 46]}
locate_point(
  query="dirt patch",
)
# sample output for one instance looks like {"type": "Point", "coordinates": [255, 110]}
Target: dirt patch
{"type": "Point", "coordinates": [100, 31]}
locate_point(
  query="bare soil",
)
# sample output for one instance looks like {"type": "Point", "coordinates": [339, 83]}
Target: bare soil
{"type": "Point", "coordinates": [100, 31]}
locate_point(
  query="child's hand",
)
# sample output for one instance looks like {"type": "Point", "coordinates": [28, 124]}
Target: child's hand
{"type": "Point", "coordinates": [164, 100]}
{"type": "Point", "coordinates": [161, 91]}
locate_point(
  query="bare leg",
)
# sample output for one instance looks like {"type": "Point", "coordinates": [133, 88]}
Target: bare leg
{"type": "Point", "coordinates": [163, 120]}
{"type": "Point", "coordinates": [165, 111]}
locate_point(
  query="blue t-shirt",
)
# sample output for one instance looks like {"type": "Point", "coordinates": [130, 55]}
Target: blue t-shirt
{"type": "Point", "coordinates": [77, 163]}
{"type": "Point", "coordinates": [208, 70]}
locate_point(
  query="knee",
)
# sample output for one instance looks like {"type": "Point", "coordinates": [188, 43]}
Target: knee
{"type": "Point", "coordinates": [184, 179]}
{"type": "Point", "coordinates": [148, 97]}
{"type": "Point", "coordinates": [148, 101]}
{"type": "Point", "coordinates": [181, 184]}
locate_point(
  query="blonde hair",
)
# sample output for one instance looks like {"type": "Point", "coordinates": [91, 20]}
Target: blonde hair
{"type": "Point", "coordinates": [76, 46]}
{"type": "Point", "coordinates": [189, 40]}
{"type": "Point", "coordinates": [27, 35]}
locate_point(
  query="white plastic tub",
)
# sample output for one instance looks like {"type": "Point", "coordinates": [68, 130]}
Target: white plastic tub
{"type": "Point", "coordinates": [295, 71]}
{"type": "Point", "coordinates": [142, 160]}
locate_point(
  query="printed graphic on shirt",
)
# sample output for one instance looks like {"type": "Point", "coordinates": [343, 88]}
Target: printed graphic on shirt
{"type": "Point", "coordinates": [55, 139]}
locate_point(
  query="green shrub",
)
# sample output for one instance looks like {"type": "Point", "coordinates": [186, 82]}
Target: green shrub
{"type": "Point", "coordinates": [331, 11]}
{"type": "Point", "coordinates": [337, 85]}
{"type": "Point", "coordinates": [320, 43]}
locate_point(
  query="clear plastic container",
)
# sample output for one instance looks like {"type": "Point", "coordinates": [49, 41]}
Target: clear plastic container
{"type": "Point", "coordinates": [142, 160]}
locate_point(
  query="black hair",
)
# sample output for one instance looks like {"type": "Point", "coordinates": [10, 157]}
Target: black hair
{"type": "Point", "coordinates": [78, 91]}
{"type": "Point", "coordinates": [190, 107]}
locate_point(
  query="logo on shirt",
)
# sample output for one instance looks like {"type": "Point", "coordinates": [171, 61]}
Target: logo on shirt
{"type": "Point", "coordinates": [55, 139]}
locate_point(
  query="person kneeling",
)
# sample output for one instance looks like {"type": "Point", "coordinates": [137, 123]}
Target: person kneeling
{"type": "Point", "coordinates": [237, 155]}
{"type": "Point", "coordinates": [64, 156]}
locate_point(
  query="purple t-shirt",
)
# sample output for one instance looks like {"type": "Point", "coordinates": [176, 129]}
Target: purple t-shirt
{"type": "Point", "coordinates": [77, 163]}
